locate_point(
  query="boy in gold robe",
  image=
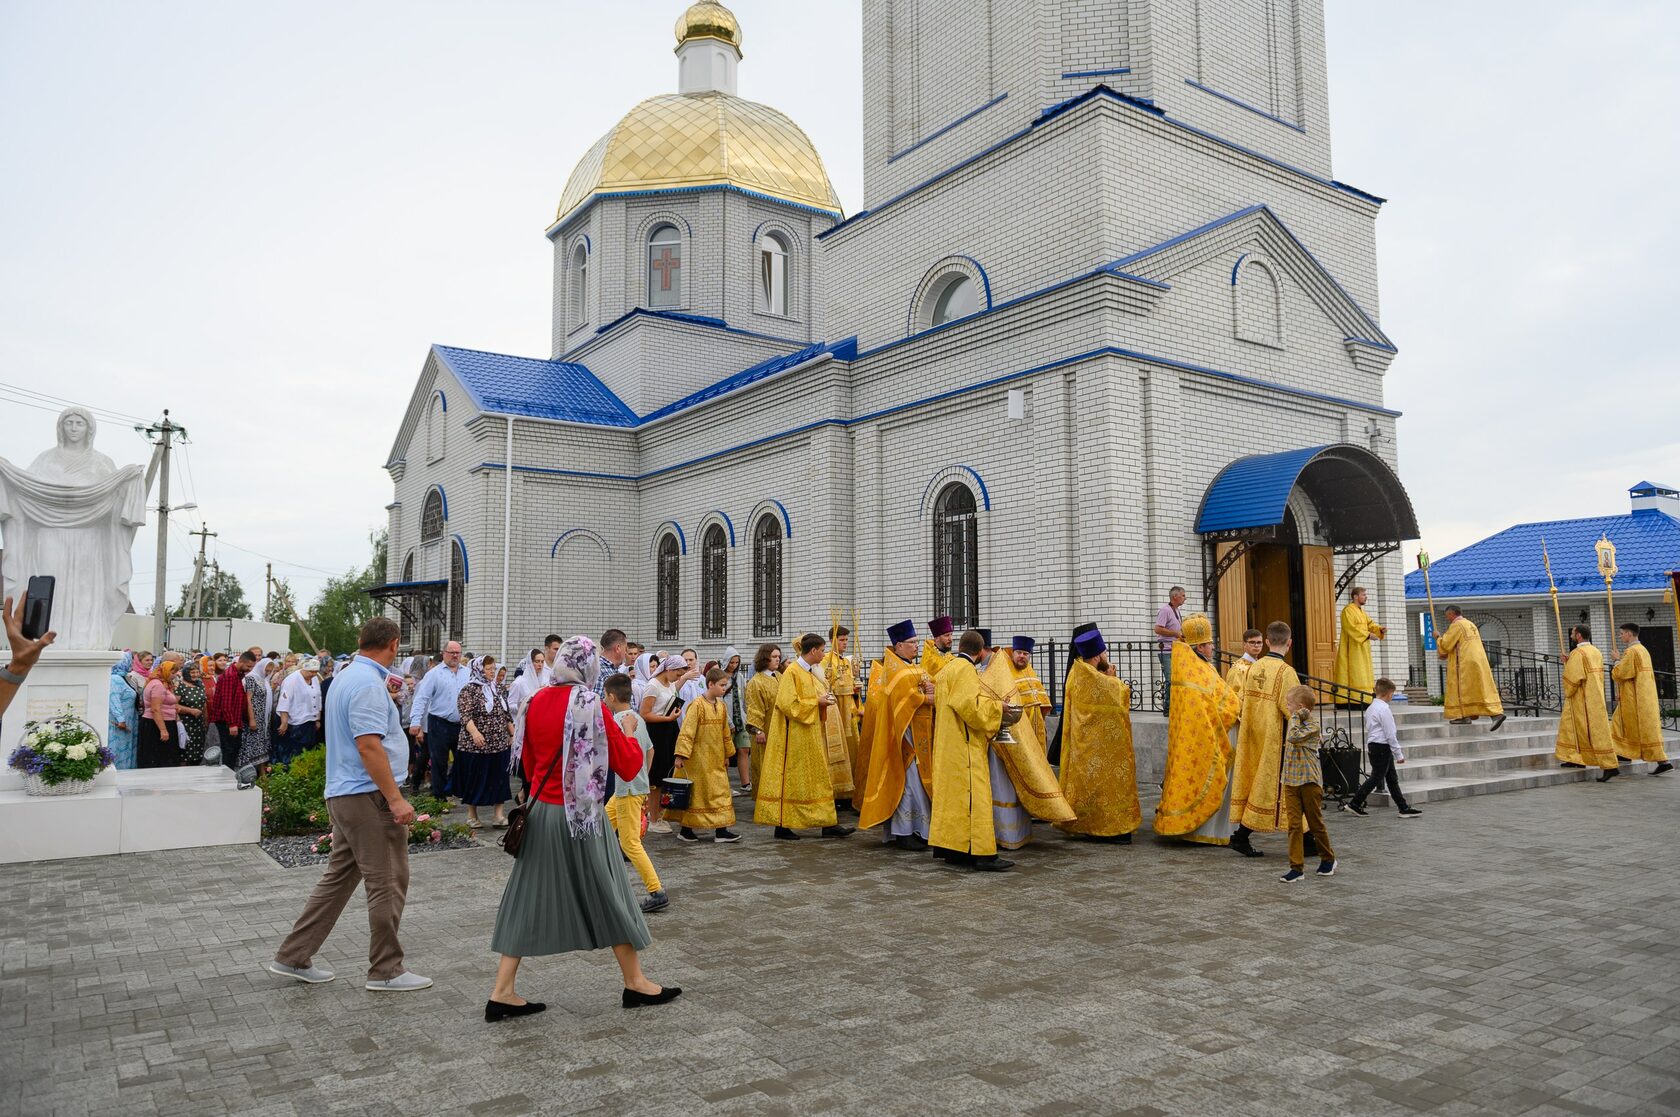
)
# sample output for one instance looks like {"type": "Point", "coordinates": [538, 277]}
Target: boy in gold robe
{"type": "Point", "coordinates": [1099, 769]}
{"type": "Point", "coordinates": [1256, 776]}
{"type": "Point", "coordinates": [1471, 692]}
{"type": "Point", "coordinates": [840, 725]}
{"type": "Point", "coordinates": [761, 700]}
{"type": "Point", "coordinates": [964, 722]}
{"type": "Point", "coordinates": [1196, 788]}
{"type": "Point", "coordinates": [1254, 646]}
{"type": "Point", "coordinates": [1636, 727]}
{"type": "Point", "coordinates": [1354, 674]}
{"type": "Point", "coordinates": [1583, 738]}
{"type": "Point", "coordinates": [793, 788]}
{"type": "Point", "coordinates": [898, 737]}
{"type": "Point", "coordinates": [704, 749]}
{"type": "Point", "coordinates": [1021, 765]}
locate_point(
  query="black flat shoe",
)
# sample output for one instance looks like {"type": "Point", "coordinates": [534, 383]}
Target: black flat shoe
{"type": "Point", "coordinates": [1609, 774]}
{"type": "Point", "coordinates": [837, 831]}
{"type": "Point", "coordinates": [786, 835]}
{"type": "Point", "coordinates": [1665, 766]}
{"type": "Point", "coordinates": [633, 999]}
{"type": "Point", "coordinates": [1246, 849]}
{"type": "Point", "coordinates": [992, 865]}
{"type": "Point", "coordinates": [1567, 764]}
{"type": "Point", "coordinates": [496, 1010]}
{"type": "Point", "coordinates": [1497, 722]}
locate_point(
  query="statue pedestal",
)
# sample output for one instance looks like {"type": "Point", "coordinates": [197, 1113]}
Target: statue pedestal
{"type": "Point", "coordinates": [79, 680]}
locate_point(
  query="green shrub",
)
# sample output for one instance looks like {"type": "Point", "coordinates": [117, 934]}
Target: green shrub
{"type": "Point", "coordinates": [294, 802]}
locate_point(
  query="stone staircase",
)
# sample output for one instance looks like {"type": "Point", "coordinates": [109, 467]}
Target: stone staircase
{"type": "Point", "coordinates": [1445, 761]}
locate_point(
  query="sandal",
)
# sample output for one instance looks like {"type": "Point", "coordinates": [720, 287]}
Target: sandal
{"type": "Point", "coordinates": [476, 823]}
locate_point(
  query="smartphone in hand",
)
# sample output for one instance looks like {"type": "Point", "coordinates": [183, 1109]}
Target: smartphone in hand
{"type": "Point", "coordinates": [37, 606]}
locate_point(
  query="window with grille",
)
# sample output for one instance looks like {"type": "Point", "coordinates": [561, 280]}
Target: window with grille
{"type": "Point", "coordinates": [457, 593]}
{"type": "Point", "coordinates": [404, 621]}
{"type": "Point", "coordinates": [714, 583]}
{"type": "Point", "coordinates": [667, 567]}
{"type": "Point", "coordinates": [431, 517]}
{"type": "Point", "coordinates": [767, 576]}
{"type": "Point", "coordinates": [956, 556]}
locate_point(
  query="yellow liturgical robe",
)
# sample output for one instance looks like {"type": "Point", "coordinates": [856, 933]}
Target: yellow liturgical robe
{"type": "Point", "coordinates": [793, 787]}
{"type": "Point", "coordinates": [897, 705]}
{"type": "Point", "coordinates": [1204, 708]}
{"type": "Point", "coordinates": [1355, 677]}
{"type": "Point", "coordinates": [840, 726]}
{"type": "Point", "coordinates": [1470, 689]}
{"type": "Point", "coordinates": [1036, 786]}
{"type": "Point", "coordinates": [761, 701]}
{"type": "Point", "coordinates": [705, 747]}
{"type": "Point", "coordinates": [1099, 772]}
{"type": "Point", "coordinates": [1636, 727]}
{"type": "Point", "coordinates": [1258, 771]}
{"type": "Point", "coordinates": [1584, 733]}
{"type": "Point", "coordinates": [963, 723]}
{"type": "Point", "coordinates": [933, 660]}
{"type": "Point", "coordinates": [1237, 675]}
{"type": "Point", "coordinates": [1032, 696]}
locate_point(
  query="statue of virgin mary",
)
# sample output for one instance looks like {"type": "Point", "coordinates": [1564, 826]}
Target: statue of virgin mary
{"type": "Point", "coordinates": [73, 514]}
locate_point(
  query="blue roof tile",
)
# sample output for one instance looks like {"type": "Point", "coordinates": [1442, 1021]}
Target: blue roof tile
{"type": "Point", "coordinates": [540, 389]}
{"type": "Point", "coordinates": [844, 350]}
{"type": "Point", "coordinates": [1253, 492]}
{"type": "Point", "coordinates": [1508, 564]}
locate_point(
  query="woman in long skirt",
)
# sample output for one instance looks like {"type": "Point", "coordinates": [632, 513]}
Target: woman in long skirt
{"type": "Point", "coordinates": [124, 713]}
{"type": "Point", "coordinates": [253, 740]}
{"type": "Point", "coordinates": [480, 776]}
{"type": "Point", "coordinates": [569, 889]}
{"type": "Point", "coordinates": [190, 705]}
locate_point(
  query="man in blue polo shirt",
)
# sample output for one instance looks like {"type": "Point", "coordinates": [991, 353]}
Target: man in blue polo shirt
{"type": "Point", "coordinates": [367, 758]}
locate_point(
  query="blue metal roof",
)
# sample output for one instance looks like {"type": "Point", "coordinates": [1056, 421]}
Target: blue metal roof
{"type": "Point", "coordinates": [843, 350]}
{"type": "Point", "coordinates": [1358, 497]}
{"type": "Point", "coordinates": [1508, 564]}
{"type": "Point", "coordinates": [559, 390]}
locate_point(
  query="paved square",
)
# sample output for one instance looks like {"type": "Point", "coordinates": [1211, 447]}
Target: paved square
{"type": "Point", "coordinates": [1508, 954]}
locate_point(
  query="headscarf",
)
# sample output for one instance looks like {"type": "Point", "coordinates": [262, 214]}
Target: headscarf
{"type": "Point", "coordinates": [123, 666]}
{"type": "Point", "coordinates": [528, 681]}
{"type": "Point", "coordinates": [737, 702]}
{"type": "Point", "coordinates": [192, 673]}
{"type": "Point", "coordinates": [584, 762]}
{"type": "Point", "coordinates": [640, 676]}
{"type": "Point", "coordinates": [485, 684]}
{"type": "Point", "coordinates": [163, 670]}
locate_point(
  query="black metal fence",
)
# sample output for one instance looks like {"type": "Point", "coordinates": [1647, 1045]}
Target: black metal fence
{"type": "Point", "coordinates": [1532, 683]}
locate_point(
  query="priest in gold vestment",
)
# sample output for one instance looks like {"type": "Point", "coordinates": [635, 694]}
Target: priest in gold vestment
{"type": "Point", "coordinates": [936, 649]}
{"type": "Point", "coordinates": [1354, 674]}
{"type": "Point", "coordinates": [793, 788]}
{"type": "Point", "coordinates": [1471, 692]}
{"type": "Point", "coordinates": [1636, 727]}
{"type": "Point", "coordinates": [1257, 771]}
{"type": "Point", "coordinates": [1583, 739]}
{"type": "Point", "coordinates": [1196, 788]}
{"type": "Point", "coordinates": [1099, 770]}
{"type": "Point", "coordinates": [964, 722]}
{"type": "Point", "coordinates": [1025, 787]}
{"type": "Point", "coordinates": [898, 738]}
{"type": "Point", "coordinates": [840, 721]}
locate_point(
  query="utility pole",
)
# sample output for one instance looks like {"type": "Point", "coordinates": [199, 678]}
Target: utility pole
{"type": "Point", "coordinates": [204, 536]}
{"type": "Point", "coordinates": [216, 588]}
{"type": "Point", "coordinates": [268, 590]}
{"type": "Point", "coordinates": [165, 432]}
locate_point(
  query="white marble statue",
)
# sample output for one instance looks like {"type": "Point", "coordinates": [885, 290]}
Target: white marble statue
{"type": "Point", "coordinates": [73, 514]}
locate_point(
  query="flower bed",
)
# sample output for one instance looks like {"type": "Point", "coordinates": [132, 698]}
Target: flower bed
{"type": "Point", "coordinates": [61, 755]}
{"type": "Point", "coordinates": [294, 805]}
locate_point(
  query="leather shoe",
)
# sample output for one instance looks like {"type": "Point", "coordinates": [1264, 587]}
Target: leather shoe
{"type": "Point", "coordinates": [992, 865]}
{"type": "Point", "coordinates": [496, 1010]}
{"type": "Point", "coordinates": [1247, 850]}
{"type": "Point", "coordinates": [633, 999]}
{"type": "Point", "coordinates": [786, 835]}
{"type": "Point", "coordinates": [837, 831]}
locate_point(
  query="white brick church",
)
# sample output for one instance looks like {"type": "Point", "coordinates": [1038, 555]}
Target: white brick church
{"type": "Point", "coordinates": [1106, 323]}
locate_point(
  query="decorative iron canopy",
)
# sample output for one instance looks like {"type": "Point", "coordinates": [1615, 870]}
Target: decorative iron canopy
{"type": "Point", "coordinates": [1360, 501]}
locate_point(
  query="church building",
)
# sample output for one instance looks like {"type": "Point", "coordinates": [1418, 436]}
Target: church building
{"type": "Point", "coordinates": [1106, 323]}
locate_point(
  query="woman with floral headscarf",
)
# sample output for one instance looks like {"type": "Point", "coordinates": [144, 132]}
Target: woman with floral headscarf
{"type": "Point", "coordinates": [569, 889]}
{"type": "Point", "coordinates": [124, 709]}
{"type": "Point", "coordinates": [191, 702]}
{"type": "Point", "coordinates": [254, 739]}
{"type": "Point", "coordinates": [157, 747]}
{"type": "Point", "coordinates": [480, 776]}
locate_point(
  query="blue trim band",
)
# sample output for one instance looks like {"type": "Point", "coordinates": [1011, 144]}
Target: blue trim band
{"type": "Point", "coordinates": [1096, 73]}
{"type": "Point", "coordinates": [682, 540]}
{"type": "Point", "coordinates": [787, 521]}
{"type": "Point", "coordinates": [934, 135]}
{"type": "Point", "coordinates": [445, 497]}
{"type": "Point", "coordinates": [985, 494]}
{"type": "Point", "coordinates": [727, 522]}
{"type": "Point", "coordinates": [443, 399]}
{"type": "Point", "coordinates": [687, 320]}
{"type": "Point", "coordinates": [1237, 267]}
{"type": "Point", "coordinates": [554, 229]}
{"type": "Point", "coordinates": [466, 566]}
{"type": "Point", "coordinates": [1194, 84]}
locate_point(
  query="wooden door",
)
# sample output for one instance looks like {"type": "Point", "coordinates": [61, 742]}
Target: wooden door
{"type": "Point", "coordinates": [1233, 601]}
{"type": "Point", "coordinates": [1319, 582]}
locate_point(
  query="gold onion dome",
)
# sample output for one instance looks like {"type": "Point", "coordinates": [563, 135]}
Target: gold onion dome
{"type": "Point", "coordinates": [709, 20]}
{"type": "Point", "coordinates": [703, 139]}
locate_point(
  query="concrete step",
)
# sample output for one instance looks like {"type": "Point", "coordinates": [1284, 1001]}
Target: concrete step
{"type": "Point", "coordinates": [1472, 746]}
{"type": "Point", "coordinates": [1418, 731]}
{"type": "Point", "coordinates": [1439, 788]}
{"type": "Point", "coordinates": [1486, 762]}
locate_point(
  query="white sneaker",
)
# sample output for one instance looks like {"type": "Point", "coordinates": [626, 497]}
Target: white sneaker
{"type": "Point", "coordinates": [660, 827]}
{"type": "Point", "coordinates": [404, 982]}
{"type": "Point", "coordinates": [310, 975]}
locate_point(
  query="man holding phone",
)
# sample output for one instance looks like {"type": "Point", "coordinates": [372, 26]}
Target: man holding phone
{"type": "Point", "coordinates": [26, 649]}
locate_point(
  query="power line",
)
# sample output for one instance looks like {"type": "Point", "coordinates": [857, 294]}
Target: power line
{"type": "Point", "coordinates": [105, 412]}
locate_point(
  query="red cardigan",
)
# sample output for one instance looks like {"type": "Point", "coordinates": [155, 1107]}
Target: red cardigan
{"type": "Point", "coordinates": [545, 731]}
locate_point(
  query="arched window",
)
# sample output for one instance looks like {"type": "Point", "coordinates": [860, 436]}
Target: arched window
{"type": "Point", "coordinates": [1258, 304]}
{"type": "Point", "coordinates": [665, 267]}
{"type": "Point", "coordinates": [431, 517]}
{"type": "Point", "coordinates": [714, 583]}
{"type": "Point", "coordinates": [953, 298]}
{"type": "Point", "coordinates": [666, 571]}
{"type": "Point", "coordinates": [404, 621]}
{"type": "Point", "coordinates": [956, 556]}
{"type": "Point", "coordinates": [580, 285]}
{"type": "Point", "coordinates": [435, 428]}
{"type": "Point", "coordinates": [457, 592]}
{"type": "Point", "coordinates": [774, 278]}
{"type": "Point", "coordinates": [767, 576]}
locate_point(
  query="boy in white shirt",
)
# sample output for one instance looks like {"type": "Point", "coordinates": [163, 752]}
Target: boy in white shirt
{"type": "Point", "coordinates": [1382, 744]}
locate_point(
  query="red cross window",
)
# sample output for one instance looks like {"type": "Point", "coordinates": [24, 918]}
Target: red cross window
{"type": "Point", "coordinates": [665, 267]}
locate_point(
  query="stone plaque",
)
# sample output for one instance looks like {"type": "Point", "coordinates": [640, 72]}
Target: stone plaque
{"type": "Point", "coordinates": [46, 701]}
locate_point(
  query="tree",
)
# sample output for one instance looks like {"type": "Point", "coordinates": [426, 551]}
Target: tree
{"type": "Point", "coordinates": [222, 596]}
{"type": "Point", "coordinates": [344, 605]}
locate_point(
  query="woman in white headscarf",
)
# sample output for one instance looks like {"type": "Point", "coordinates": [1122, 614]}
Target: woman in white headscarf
{"type": "Point", "coordinates": [480, 776]}
{"type": "Point", "coordinates": [736, 703]}
{"type": "Point", "coordinates": [254, 740]}
{"type": "Point", "coordinates": [646, 667]}
{"type": "Point", "coordinates": [569, 889]}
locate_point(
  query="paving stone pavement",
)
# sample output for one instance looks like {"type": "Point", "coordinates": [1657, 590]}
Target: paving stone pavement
{"type": "Point", "coordinates": [1504, 954]}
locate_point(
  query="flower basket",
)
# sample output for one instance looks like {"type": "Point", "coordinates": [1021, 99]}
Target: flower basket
{"type": "Point", "coordinates": [60, 756]}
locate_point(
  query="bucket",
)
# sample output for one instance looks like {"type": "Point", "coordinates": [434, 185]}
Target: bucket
{"type": "Point", "coordinates": [679, 793]}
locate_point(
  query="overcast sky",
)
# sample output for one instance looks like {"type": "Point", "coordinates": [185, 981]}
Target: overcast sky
{"type": "Point", "coordinates": [261, 214]}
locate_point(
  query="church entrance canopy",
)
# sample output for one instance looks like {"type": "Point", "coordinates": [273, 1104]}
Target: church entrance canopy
{"type": "Point", "coordinates": [423, 607]}
{"type": "Point", "coordinates": [1363, 513]}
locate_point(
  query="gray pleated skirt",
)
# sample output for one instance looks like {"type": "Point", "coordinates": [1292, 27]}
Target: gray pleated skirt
{"type": "Point", "coordinates": [567, 893]}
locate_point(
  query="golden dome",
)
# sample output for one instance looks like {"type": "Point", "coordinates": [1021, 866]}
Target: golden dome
{"type": "Point", "coordinates": [703, 139]}
{"type": "Point", "coordinates": [709, 20]}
